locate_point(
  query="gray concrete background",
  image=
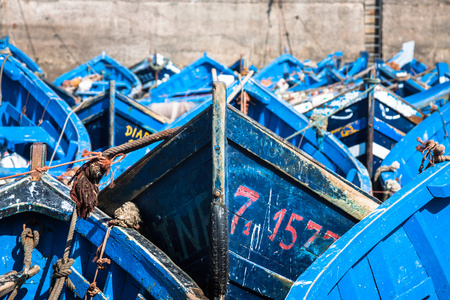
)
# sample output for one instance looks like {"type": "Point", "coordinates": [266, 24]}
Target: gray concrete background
{"type": "Point", "coordinates": [65, 33]}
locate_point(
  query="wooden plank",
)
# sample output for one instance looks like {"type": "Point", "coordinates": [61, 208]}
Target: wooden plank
{"type": "Point", "coordinates": [112, 100]}
{"type": "Point", "coordinates": [358, 283]}
{"type": "Point", "coordinates": [396, 265]}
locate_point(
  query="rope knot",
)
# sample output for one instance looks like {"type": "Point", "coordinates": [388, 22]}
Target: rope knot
{"type": "Point", "coordinates": [93, 289]}
{"type": "Point", "coordinates": [102, 261]}
{"type": "Point", "coordinates": [432, 151]}
{"type": "Point", "coordinates": [61, 269]}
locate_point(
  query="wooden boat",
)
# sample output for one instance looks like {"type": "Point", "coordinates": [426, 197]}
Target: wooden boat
{"type": "Point", "coordinates": [31, 112]}
{"type": "Point", "coordinates": [137, 269]}
{"type": "Point", "coordinates": [154, 70]}
{"type": "Point", "coordinates": [273, 209]}
{"type": "Point", "coordinates": [382, 126]}
{"type": "Point", "coordinates": [93, 77]}
{"type": "Point", "coordinates": [112, 119]}
{"type": "Point", "coordinates": [196, 78]}
{"type": "Point", "coordinates": [435, 127]}
{"type": "Point", "coordinates": [399, 251]}
{"type": "Point", "coordinates": [7, 48]}
{"type": "Point", "coordinates": [279, 68]}
{"type": "Point", "coordinates": [406, 86]}
{"type": "Point", "coordinates": [279, 117]}
{"type": "Point", "coordinates": [428, 100]}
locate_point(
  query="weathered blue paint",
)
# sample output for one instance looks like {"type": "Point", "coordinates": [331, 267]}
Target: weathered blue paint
{"type": "Point", "coordinates": [6, 47]}
{"type": "Point", "coordinates": [31, 112]}
{"type": "Point", "coordinates": [281, 67]}
{"type": "Point", "coordinates": [399, 251]}
{"type": "Point", "coordinates": [388, 76]}
{"type": "Point", "coordinates": [131, 120]}
{"type": "Point", "coordinates": [146, 70]}
{"type": "Point", "coordinates": [284, 209]}
{"type": "Point", "coordinates": [393, 118]}
{"type": "Point", "coordinates": [301, 76]}
{"type": "Point", "coordinates": [126, 81]}
{"type": "Point", "coordinates": [278, 116]}
{"type": "Point", "coordinates": [437, 95]}
{"type": "Point", "coordinates": [137, 266]}
{"type": "Point", "coordinates": [195, 78]}
{"type": "Point", "coordinates": [435, 127]}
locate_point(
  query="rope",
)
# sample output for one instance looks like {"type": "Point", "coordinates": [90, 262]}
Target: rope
{"type": "Point", "coordinates": [43, 113]}
{"type": "Point", "coordinates": [60, 136]}
{"type": "Point", "coordinates": [1, 74]}
{"type": "Point", "coordinates": [93, 289]}
{"type": "Point", "coordinates": [318, 121]}
{"type": "Point", "coordinates": [433, 151]}
{"type": "Point", "coordinates": [29, 240]}
{"type": "Point", "coordinates": [61, 269]}
{"type": "Point", "coordinates": [142, 142]}
{"type": "Point", "coordinates": [45, 169]}
{"type": "Point", "coordinates": [27, 30]}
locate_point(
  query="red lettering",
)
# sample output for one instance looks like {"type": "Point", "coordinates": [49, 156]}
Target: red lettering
{"type": "Point", "coordinates": [292, 231]}
{"type": "Point", "coordinates": [312, 226]}
{"type": "Point", "coordinates": [279, 215]}
{"type": "Point", "coordinates": [331, 235]}
{"type": "Point", "coordinates": [247, 228]}
{"type": "Point", "coordinates": [252, 197]}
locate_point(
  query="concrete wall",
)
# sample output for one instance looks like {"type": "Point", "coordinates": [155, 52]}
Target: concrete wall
{"type": "Point", "coordinates": [65, 33]}
{"type": "Point", "coordinates": [425, 21]}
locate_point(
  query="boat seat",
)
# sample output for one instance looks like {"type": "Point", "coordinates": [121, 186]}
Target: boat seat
{"type": "Point", "coordinates": [28, 134]}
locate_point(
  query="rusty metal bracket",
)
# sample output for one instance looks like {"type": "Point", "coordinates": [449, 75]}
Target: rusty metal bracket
{"type": "Point", "coordinates": [38, 158]}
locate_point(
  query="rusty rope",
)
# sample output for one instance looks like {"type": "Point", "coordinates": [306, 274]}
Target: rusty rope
{"type": "Point", "coordinates": [93, 289]}
{"type": "Point", "coordinates": [432, 151]}
{"type": "Point", "coordinates": [45, 169]}
{"type": "Point", "coordinates": [61, 269]}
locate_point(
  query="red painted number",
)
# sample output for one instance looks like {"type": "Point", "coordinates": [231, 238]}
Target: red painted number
{"type": "Point", "coordinates": [292, 231]}
{"type": "Point", "coordinates": [312, 226]}
{"type": "Point", "coordinates": [252, 197]}
{"type": "Point", "coordinates": [279, 215]}
{"type": "Point", "coordinates": [331, 235]}
{"type": "Point", "coordinates": [247, 227]}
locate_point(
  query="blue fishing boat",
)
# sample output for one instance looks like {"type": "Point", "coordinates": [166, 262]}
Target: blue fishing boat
{"type": "Point", "coordinates": [398, 80]}
{"type": "Point", "coordinates": [399, 251]}
{"type": "Point", "coordinates": [241, 66]}
{"type": "Point", "coordinates": [113, 119]}
{"type": "Point", "coordinates": [435, 128]}
{"type": "Point", "coordinates": [93, 77]}
{"type": "Point", "coordinates": [373, 116]}
{"type": "Point", "coordinates": [430, 99]}
{"type": "Point", "coordinates": [281, 67]}
{"type": "Point", "coordinates": [197, 78]}
{"type": "Point", "coordinates": [267, 109]}
{"type": "Point", "coordinates": [7, 48]}
{"type": "Point", "coordinates": [31, 112]}
{"type": "Point", "coordinates": [286, 73]}
{"type": "Point", "coordinates": [239, 209]}
{"type": "Point", "coordinates": [154, 70]}
{"type": "Point", "coordinates": [36, 215]}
